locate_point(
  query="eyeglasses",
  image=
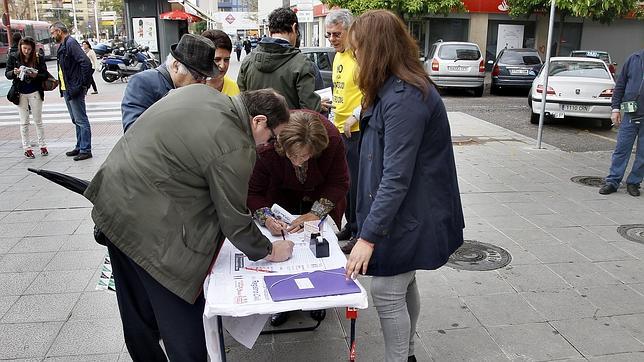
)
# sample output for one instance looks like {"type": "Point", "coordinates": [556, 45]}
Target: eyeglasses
{"type": "Point", "coordinates": [335, 34]}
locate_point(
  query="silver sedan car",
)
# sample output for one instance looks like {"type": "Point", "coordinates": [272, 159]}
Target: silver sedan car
{"type": "Point", "coordinates": [577, 87]}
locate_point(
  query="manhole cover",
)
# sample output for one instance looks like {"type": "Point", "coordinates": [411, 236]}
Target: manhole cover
{"type": "Point", "coordinates": [592, 181]}
{"type": "Point", "coordinates": [634, 232]}
{"type": "Point", "coordinates": [477, 256]}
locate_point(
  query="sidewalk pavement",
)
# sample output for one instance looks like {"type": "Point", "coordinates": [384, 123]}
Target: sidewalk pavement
{"type": "Point", "coordinates": [573, 291]}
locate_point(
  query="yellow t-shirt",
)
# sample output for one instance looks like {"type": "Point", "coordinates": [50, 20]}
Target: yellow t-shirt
{"type": "Point", "coordinates": [230, 87]}
{"type": "Point", "coordinates": [346, 94]}
{"type": "Point", "coordinates": [61, 80]}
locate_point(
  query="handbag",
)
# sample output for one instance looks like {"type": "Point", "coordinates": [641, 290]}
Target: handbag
{"type": "Point", "coordinates": [13, 95]}
{"type": "Point", "coordinates": [50, 83]}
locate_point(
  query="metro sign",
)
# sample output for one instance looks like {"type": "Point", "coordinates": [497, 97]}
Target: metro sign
{"type": "Point", "coordinates": [230, 18]}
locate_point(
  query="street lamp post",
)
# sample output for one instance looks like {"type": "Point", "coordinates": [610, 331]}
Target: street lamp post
{"type": "Point", "coordinates": [546, 70]}
{"type": "Point", "coordinates": [36, 7]}
{"type": "Point", "coordinates": [96, 17]}
{"type": "Point", "coordinates": [74, 11]}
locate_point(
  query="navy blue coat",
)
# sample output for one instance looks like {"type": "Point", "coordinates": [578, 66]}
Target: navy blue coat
{"type": "Point", "coordinates": [77, 69]}
{"type": "Point", "coordinates": [143, 90]}
{"type": "Point", "coordinates": [408, 201]}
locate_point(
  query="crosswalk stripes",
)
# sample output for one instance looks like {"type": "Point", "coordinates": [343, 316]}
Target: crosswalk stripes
{"type": "Point", "coordinates": [97, 112]}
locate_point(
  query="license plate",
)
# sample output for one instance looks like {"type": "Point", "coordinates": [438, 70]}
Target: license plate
{"type": "Point", "coordinates": [574, 108]}
{"type": "Point", "coordinates": [558, 114]}
{"type": "Point", "coordinates": [518, 71]}
{"type": "Point", "coordinates": [458, 68]}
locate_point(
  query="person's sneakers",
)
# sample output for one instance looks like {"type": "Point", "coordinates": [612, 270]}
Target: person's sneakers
{"type": "Point", "coordinates": [44, 151]}
{"type": "Point", "coordinates": [29, 154]}
{"type": "Point", "coordinates": [633, 189]}
{"type": "Point", "coordinates": [83, 156]}
{"type": "Point", "coordinates": [346, 248]}
{"type": "Point", "coordinates": [607, 189]}
{"type": "Point", "coordinates": [278, 319]}
{"type": "Point", "coordinates": [344, 234]}
{"type": "Point", "coordinates": [74, 152]}
{"type": "Point", "coordinates": [95, 92]}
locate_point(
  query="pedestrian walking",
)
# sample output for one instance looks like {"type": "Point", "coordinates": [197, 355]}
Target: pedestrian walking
{"type": "Point", "coordinates": [247, 46]}
{"type": "Point", "coordinates": [28, 70]}
{"type": "Point", "coordinates": [409, 208]}
{"type": "Point", "coordinates": [347, 98]}
{"type": "Point", "coordinates": [169, 193]}
{"type": "Point", "coordinates": [628, 99]}
{"type": "Point", "coordinates": [74, 75]}
{"type": "Point", "coordinates": [238, 48]}
{"type": "Point", "coordinates": [190, 61]}
{"type": "Point", "coordinates": [223, 47]}
{"type": "Point", "coordinates": [87, 48]}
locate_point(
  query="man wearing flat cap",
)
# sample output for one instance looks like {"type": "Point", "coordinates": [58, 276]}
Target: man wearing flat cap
{"type": "Point", "coordinates": [169, 193]}
{"type": "Point", "coordinates": [190, 61]}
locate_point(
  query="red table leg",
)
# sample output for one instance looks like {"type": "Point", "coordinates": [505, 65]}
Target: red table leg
{"type": "Point", "coordinates": [352, 313]}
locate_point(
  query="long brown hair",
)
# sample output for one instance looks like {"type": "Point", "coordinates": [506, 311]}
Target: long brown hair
{"type": "Point", "coordinates": [384, 47]}
{"type": "Point", "coordinates": [32, 57]}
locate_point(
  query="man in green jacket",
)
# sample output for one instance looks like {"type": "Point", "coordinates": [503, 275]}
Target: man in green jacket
{"type": "Point", "coordinates": [277, 63]}
{"type": "Point", "coordinates": [172, 189]}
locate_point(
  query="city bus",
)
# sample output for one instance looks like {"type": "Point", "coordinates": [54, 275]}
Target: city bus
{"type": "Point", "coordinates": [39, 30]}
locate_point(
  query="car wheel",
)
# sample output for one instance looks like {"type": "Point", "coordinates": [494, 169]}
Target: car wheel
{"type": "Point", "coordinates": [607, 124]}
{"type": "Point", "coordinates": [534, 117]}
{"type": "Point", "coordinates": [478, 92]}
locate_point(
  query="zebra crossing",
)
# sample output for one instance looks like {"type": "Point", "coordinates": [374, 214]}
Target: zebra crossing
{"type": "Point", "coordinates": [97, 112]}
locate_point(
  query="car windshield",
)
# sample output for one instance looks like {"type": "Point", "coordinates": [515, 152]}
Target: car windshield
{"type": "Point", "coordinates": [592, 54]}
{"type": "Point", "coordinates": [520, 58]}
{"type": "Point", "coordinates": [459, 51]}
{"type": "Point", "coordinates": [579, 69]}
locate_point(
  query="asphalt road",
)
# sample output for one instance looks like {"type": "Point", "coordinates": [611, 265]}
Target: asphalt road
{"type": "Point", "coordinates": [511, 111]}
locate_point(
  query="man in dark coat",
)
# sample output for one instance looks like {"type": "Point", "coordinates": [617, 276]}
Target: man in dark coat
{"type": "Point", "coordinates": [75, 76]}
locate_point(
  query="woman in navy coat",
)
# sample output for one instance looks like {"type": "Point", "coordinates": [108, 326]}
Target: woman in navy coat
{"type": "Point", "coordinates": [408, 208]}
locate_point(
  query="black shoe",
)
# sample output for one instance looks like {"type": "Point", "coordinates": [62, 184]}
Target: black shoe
{"type": "Point", "coordinates": [278, 319]}
{"type": "Point", "coordinates": [344, 234]}
{"type": "Point", "coordinates": [71, 153]}
{"type": "Point", "coordinates": [83, 156]}
{"type": "Point", "coordinates": [411, 358]}
{"type": "Point", "coordinates": [318, 315]}
{"type": "Point", "coordinates": [346, 248]}
{"type": "Point", "coordinates": [633, 189]}
{"type": "Point", "coordinates": [607, 189]}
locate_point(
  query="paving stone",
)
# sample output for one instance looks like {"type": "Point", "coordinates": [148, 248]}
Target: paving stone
{"type": "Point", "coordinates": [600, 251]}
{"type": "Point", "coordinates": [560, 304]}
{"type": "Point", "coordinates": [447, 345]}
{"type": "Point", "coordinates": [636, 250]}
{"type": "Point", "coordinates": [476, 283]}
{"type": "Point", "coordinates": [614, 299]}
{"type": "Point", "coordinates": [515, 309]}
{"type": "Point", "coordinates": [445, 313]}
{"type": "Point", "coordinates": [520, 255]}
{"type": "Point", "coordinates": [32, 216]}
{"type": "Point", "coordinates": [627, 271]}
{"type": "Point", "coordinates": [85, 358]}
{"type": "Point", "coordinates": [15, 230]}
{"type": "Point", "coordinates": [639, 287]}
{"type": "Point", "coordinates": [41, 308]}
{"type": "Point", "coordinates": [532, 342]}
{"type": "Point", "coordinates": [583, 274]}
{"type": "Point", "coordinates": [25, 340]}
{"type": "Point", "coordinates": [526, 278]}
{"type": "Point", "coordinates": [432, 284]}
{"type": "Point", "coordinates": [125, 357]}
{"type": "Point", "coordinates": [15, 283]}
{"type": "Point", "coordinates": [75, 260]}
{"type": "Point", "coordinates": [606, 232]}
{"type": "Point", "coordinates": [68, 214]}
{"type": "Point", "coordinates": [39, 244]}
{"type": "Point", "coordinates": [24, 262]}
{"type": "Point", "coordinates": [596, 337]}
{"type": "Point", "coordinates": [96, 305]}
{"type": "Point", "coordinates": [559, 253]}
{"type": "Point", "coordinates": [551, 220]}
{"type": "Point", "coordinates": [531, 237]}
{"type": "Point", "coordinates": [510, 222]}
{"type": "Point", "coordinates": [572, 234]}
{"type": "Point", "coordinates": [528, 209]}
{"type": "Point", "coordinates": [61, 281]}
{"type": "Point", "coordinates": [99, 336]}
{"type": "Point", "coordinates": [620, 357]}
{"type": "Point", "coordinates": [6, 302]}
{"type": "Point", "coordinates": [7, 243]}
{"type": "Point", "coordinates": [48, 228]}
{"type": "Point", "coordinates": [82, 242]}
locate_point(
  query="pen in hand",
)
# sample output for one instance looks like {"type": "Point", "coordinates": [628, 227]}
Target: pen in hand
{"type": "Point", "coordinates": [283, 237]}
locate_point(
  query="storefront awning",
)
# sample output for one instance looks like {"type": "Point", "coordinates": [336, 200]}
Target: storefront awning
{"type": "Point", "coordinates": [179, 15]}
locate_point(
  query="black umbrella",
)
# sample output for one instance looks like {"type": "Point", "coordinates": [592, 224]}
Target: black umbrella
{"type": "Point", "coordinates": [69, 182]}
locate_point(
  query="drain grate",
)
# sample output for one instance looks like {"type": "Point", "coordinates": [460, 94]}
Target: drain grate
{"type": "Point", "coordinates": [592, 181]}
{"type": "Point", "coordinates": [477, 256]}
{"type": "Point", "coordinates": [633, 232]}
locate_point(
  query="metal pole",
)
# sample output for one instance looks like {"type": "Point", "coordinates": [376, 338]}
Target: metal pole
{"type": "Point", "coordinates": [96, 18]}
{"type": "Point", "coordinates": [8, 24]}
{"type": "Point", "coordinates": [546, 70]}
{"type": "Point", "coordinates": [74, 11]}
{"type": "Point", "coordinates": [36, 7]}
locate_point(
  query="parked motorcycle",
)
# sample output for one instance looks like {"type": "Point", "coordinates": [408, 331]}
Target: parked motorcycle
{"type": "Point", "coordinates": [152, 60]}
{"type": "Point", "coordinates": [102, 50]}
{"type": "Point", "coordinates": [123, 63]}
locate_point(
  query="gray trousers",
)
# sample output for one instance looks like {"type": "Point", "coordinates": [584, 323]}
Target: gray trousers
{"type": "Point", "coordinates": [397, 301]}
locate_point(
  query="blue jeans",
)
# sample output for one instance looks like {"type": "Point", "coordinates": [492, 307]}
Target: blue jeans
{"type": "Point", "coordinates": [628, 133]}
{"type": "Point", "coordinates": [76, 108]}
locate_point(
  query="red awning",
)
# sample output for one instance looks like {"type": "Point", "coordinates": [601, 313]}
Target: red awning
{"type": "Point", "coordinates": [179, 15]}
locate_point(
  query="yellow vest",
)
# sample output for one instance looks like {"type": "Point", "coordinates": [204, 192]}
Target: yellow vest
{"type": "Point", "coordinates": [230, 87]}
{"type": "Point", "coordinates": [61, 79]}
{"type": "Point", "coordinates": [346, 94]}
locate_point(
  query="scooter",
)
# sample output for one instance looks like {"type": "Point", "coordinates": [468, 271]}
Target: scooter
{"type": "Point", "coordinates": [122, 66]}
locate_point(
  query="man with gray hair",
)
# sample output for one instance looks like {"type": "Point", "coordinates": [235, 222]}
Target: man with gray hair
{"type": "Point", "coordinates": [346, 101]}
{"type": "Point", "coordinates": [190, 61]}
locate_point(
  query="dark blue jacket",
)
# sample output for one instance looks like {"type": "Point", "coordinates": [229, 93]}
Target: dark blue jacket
{"type": "Point", "coordinates": [143, 90]}
{"type": "Point", "coordinates": [408, 202]}
{"type": "Point", "coordinates": [77, 69]}
{"type": "Point", "coordinates": [629, 83]}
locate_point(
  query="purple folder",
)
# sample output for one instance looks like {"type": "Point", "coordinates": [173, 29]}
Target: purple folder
{"type": "Point", "coordinates": [319, 283]}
